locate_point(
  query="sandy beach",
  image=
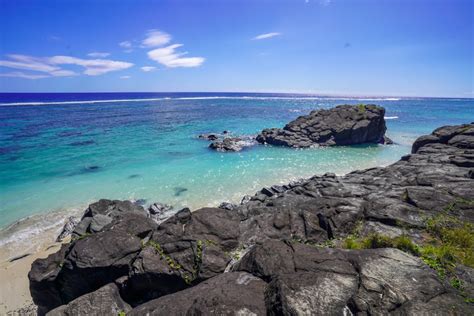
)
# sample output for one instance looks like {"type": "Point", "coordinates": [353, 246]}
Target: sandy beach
{"type": "Point", "coordinates": [22, 245]}
{"type": "Point", "coordinates": [14, 289]}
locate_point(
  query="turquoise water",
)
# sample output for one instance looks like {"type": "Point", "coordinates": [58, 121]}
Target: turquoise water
{"type": "Point", "coordinates": [61, 156]}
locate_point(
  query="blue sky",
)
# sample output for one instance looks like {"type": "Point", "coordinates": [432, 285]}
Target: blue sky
{"type": "Point", "coordinates": [341, 47]}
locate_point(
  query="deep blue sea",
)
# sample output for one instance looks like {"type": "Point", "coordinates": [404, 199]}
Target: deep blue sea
{"type": "Point", "coordinates": [59, 152]}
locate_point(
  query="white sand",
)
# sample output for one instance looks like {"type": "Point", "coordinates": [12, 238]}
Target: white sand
{"type": "Point", "coordinates": [14, 285]}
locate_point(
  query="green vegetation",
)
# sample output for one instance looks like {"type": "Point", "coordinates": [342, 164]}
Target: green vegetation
{"type": "Point", "coordinates": [210, 242]}
{"type": "Point", "coordinates": [361, 107]}
{"type": "Point", "coordinates": [171, 263]}
{"type": "Point", "coordinates": [405, 196]}
{"type": "Point", "coordinates": [235, 254]}
{"type": "Point", "coordinates": [375, 240]}
{"type": "Point", "coordinates": [450, 242]}
{"type": "Point", "coordinates": [81, 237]}
{"type": "Point", "coordinates": [121, 313]}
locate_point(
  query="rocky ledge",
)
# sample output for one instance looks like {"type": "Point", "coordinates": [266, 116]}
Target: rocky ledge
{"type": "Point", "coordinates": [394, 240]}
{"type": "Point", "coordinates": [342, 125]}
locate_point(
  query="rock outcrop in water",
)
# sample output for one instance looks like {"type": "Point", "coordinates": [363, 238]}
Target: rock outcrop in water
{"type": "Point", "coordinates": [232, 143]}
{"type": "Point", "coordinates": [342, 125]}
{"type": "Point", "coordinates": [224, 142]}
{"type": "Point", "coordinates": [288, 250]}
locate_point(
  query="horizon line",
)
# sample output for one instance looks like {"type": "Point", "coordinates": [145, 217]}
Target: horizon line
{"type": "Point", "coordinates": [322, 95]}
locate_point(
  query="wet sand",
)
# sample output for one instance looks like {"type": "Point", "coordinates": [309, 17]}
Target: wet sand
{"type": "Point", "coordinates": [15, 263]}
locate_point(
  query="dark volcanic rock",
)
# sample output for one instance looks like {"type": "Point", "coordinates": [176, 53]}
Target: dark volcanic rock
{"type": "Point", "coordinates": [232, 143]}
{"type": "Point", "coordinates": [461, 136]}
{"type": "Point", "coordinates": [104, 245]}
{"type": "Point", "coordinates": [227, 206]}
{"type": "Point", "coordinates": [211, 137]}
{"type": "Point", "coordinates": [177, 267]}
{"type": "Point", "coordinates": [100, 214]}
{"type": "Point", "coordinates": [304, 280]}
{"type": "Point", "coordinates": [234, 293]}
{"type": "Point", "coordinates": [160, 212]}
{"type": "Point", "coordinates": [104, 301]}
{"type": "Point", "coordinates": [342, 125]}
{"type": "Point", "coordinates": [184, 250]}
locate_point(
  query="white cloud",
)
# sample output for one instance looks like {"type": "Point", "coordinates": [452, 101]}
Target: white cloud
{"type": "Point", "coordinates": [98, 55]}
{"type": "Point", "coordinates": [63, 73]}
{"type": "Point", "coordinates": [266, 35]}
{"type": "Point", "coordinates": [156, 38]}
{"type": "Point", "coordinates": [125, 44]}
{"type": "Point", "coordinates": [168, 57]}
{"type": "Point", "coordinates": [125, 77]}
{"type": "Point", "coordinates": [19, 74]}
{"type": "Point", "coordinates": [50, 66]}
{"type": "Point", "coordinates": [27, 63]}
{"type": "Point", "coordinates": [148, 68]}
{"type": "Point", "coordinates": [93, 67]}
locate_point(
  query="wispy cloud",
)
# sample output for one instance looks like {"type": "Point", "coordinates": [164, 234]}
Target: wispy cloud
{"type": "Point", "coordinates": [19, 74]}
{"type": "Point", "coordinates": [148, 68]}
{"type": "Point", "coordinates": [125, 77]}
{"type": "Point", "coordinates": [125, 44]}
{"type": "Point", "coordinates": [266, 35]}
{"type": "Point", "coordinates": [28, 63]}
{"type": "Point", "coordinates": [98, 55]}
{"type": "Point", "coordinates": [93, 67]}
{"type": "Point", "coordinates": [50, 66]}
{"type": "Point", "coordinates": [170, 58]}
{"type": "Point", "coordinates": [156, 38]}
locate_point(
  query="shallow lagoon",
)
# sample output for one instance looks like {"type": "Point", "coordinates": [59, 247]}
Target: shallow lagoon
{"type": "Point", "coordinates": [64, 155]}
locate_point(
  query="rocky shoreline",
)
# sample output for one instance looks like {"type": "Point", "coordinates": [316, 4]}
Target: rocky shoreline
{"type": "Point", "coordinates": [376, 241]}
{"type": "Point", "coordinates": [338, 126]}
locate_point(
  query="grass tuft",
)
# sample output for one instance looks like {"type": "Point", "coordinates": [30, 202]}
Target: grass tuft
{"type": "Point", "coordinates": [361, 108]}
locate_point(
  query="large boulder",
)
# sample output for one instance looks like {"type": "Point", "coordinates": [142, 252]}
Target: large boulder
{"type": "Point", "coordinates": [342, 125]}
{"type": "Point", "coordinates": [101, 213]}
{"type": "Point", "coordinates": [104, 245]}
{"type": "Point", "coordinates": [233, 293]}
{"type": "Point", "coordinates": [304, 280]}
{"type": "Point", "coordinates": [104, 301]}
{"type": "Point", "coordinates": [185, 250]}
{"type": "Point", "coordinates": [461, 136]}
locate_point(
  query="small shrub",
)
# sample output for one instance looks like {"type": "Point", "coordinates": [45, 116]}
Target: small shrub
{"type": "Point", "coordinates": [351, 243]}
{"type": "Point", "coordinates": [376, 240]}
{"type": "Point", "coordinates": [456, 283]}
{"type": "Point", "coordinates": [405, 244]}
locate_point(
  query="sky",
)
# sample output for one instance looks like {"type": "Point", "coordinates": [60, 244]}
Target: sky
{"type": "Point", "coordinates": [328, 47]}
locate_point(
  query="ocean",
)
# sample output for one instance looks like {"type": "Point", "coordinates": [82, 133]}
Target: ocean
{"type": "Point", "coordinates": [60, 152]}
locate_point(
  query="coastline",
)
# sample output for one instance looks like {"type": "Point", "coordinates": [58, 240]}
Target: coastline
{"type": "Point", "coordinates": [41, 243]}
{"type": "Point", "coordinates": [39, 231]}
{"type": "Point", "coordinates": [15, 295]}
{"type": "Point", "coordinates": [18, 253]}
{"type": "Point", "coordinates": [376, 223]}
